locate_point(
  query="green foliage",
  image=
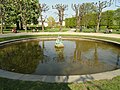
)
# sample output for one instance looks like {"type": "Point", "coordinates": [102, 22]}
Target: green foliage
{"type": "Point", "coordinates": [116, 27]}
{"type": "Point", "coordinates": [107, 18]}
{"type": "Point", "coordinates": [21, 12]}
{"type": "Point", "coordinates": [117, 16]}
{"type": "Point", "coordinates": [70, 22]}
{"type": "Point", "coordinates": [51, 21]}
{"type": "Point", "coordinates": [89, 20]}
{"type": "Point", "coordinates": [110, 19]}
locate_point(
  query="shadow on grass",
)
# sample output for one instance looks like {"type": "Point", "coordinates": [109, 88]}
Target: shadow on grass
{"type": "Point", "coordinates": [88, 83]}
{"type": "Point", "coordinates": [7, 84]}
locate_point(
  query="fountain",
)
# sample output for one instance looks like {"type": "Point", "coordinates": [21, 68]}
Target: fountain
{"type": "Point", "coordinates": [76, 57]}
{"type": "Point", "coordinates": [58, 43]}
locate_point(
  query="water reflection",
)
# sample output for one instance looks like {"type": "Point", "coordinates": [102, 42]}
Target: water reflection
{"type": "Point", "coordinates": [22, 57]}
{"type": "Point", "coordinates": [60, 54]}
{"type": "Point", "coordinates": [77, 57]}
{"type": "Point", "coordinates": [118, 60]}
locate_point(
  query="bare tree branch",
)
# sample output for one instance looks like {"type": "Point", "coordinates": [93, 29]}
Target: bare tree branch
{"type": "Point", "coordinates": [100, 5]}
{"type": "Point", "coordinates": [80, 11]}
{"type": "Point", "coordinates": [43, 8]}
{"type": "Point", "coordinates": [61, 9]}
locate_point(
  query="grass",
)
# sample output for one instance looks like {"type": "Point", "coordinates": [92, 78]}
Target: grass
{"type": "Point", "coordinates": [101, 31]}
{"type": "Point", "coordinates": [107, 38]}
{"type": "Point", "coordinates": [56, 30]}
{"type": "Point", "coordinates": [17, 37]}
{"type": "Point", "coordinates": [8, 84]}
{"type": "Point", "coordinates": [46, 30]}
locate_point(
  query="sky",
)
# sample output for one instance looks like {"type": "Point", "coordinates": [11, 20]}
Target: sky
{"type": "Point", "coordinates": [70, 12]}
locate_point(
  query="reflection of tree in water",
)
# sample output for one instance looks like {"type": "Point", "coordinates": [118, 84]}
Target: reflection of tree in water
{"type": "Point", "coordinates": [42, 46]}
{"type": "Point", "coordinates": [118, 60]}
{"type": "Point", "coordinates": [81, 48]}
{"type": "Point", "coordinates": [96, 61]}
{"type": "Point", "coordinates": [77, 52]}
{"type": "Point", "coordinates": [45, 58]}
{"type": "Point", "coordinates": [60, 53]}
{"type": "Point", "coordinates": [88, 47]}
{"type": "Point", "coordinates": [21, 57]}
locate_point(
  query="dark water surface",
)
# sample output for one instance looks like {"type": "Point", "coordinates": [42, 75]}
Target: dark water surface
{"type": "Point", "coordinates": [76, 58]}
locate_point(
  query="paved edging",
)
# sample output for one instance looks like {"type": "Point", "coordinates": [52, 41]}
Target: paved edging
{"type": "Point", "coordinates": [60, 79]}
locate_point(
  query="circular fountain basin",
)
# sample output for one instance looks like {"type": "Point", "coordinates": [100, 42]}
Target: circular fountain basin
{"type": "Point", "coordinates": [78, 57]}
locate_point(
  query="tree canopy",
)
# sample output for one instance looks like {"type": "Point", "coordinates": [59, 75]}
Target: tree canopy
{"type": "Point", "coordinates": [19, 12]}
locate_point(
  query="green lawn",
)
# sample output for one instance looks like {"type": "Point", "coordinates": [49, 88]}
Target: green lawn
{"type": "Point", "coordinates": [46, 30]}
{"type": "Point", "coordinates": [8, 84]}
{"type": "Point", "coordinates": [101, 31]}
{"type": "Point", "coordinates": [57, 30]}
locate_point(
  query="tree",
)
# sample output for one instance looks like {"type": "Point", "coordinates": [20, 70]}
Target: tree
{"type": "Point", "coordinates": [3, 4]}
{"type": "Point", "coordinates": [100, 6]}
{"type": "Point", "coordinates": [75, 8]}
{"type": "Point", "coordinates": [89, 20]}
{"type": "Point", "coordinates": [80, 11]}
{"type": "Point", "coordinates": [107, 18]}
{"type": "Point", "coordinates": [51, 21]}
{"type": "Point", "coordinates": [43, 8]}
{"type": "Point", "coordinates": [70, 22]}
{"type": "Point", "coordinates": [117, 16]}
{"type": "Point", "coordinates": [26, 11]}
{"type": "Point", "coordinates": [9, 14]}
{"type": "Point", "coordinates": [61, 9]}
{"type": "Point", "coordinates": [21, 13]}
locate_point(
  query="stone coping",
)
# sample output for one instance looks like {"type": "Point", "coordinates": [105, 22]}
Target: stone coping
{"type": "Point", "coordinates": [60, 79]}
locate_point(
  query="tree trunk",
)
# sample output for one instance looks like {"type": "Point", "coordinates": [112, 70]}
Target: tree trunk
{"type": "Point", "coordinates": [25, 27]}
{"type": "Point", "coordinates": [42, 21]}
{"type": "Point", "coordinates": [21, 24]}
{"type": "Point", "coordinates": [1, 25]}
{"type": "Point", "coordinates": [98, 23]}
{"type": "Point", "coordinates": [76, 19]}
{"type": "Point", "coordinates": [42, 26]}
{"type": "Point", "coordinates": [79, 24]}
{"type": "Point", "coordinates": [95, 28]}
{"type": "Point", "coordinates": [98, 26]}
{"type": "Point", "coordinates": [76, 23]}
{"type": "Point", "coordinates": [60, 27]}
{"type": "Point", "coordinates": [17, 24]}
{"type": "Point", "coordinates": [80, 28]}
